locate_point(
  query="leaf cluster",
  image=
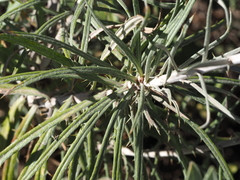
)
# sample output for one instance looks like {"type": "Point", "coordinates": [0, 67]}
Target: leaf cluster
{"type": "Point", "coordinates": [87, 81]}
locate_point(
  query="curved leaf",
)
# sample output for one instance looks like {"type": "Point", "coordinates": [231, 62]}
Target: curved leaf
{"type": "Point", "coordinates": [14, 36]}
{"type": "Point", "coordinates": [6, 88]}
{"type": "Point", "coordinates": [19, 8]}
{"type": "Point", "coordinates": [39, 48]}
{"type": "Point", "coordinates": [43, 127]}
{"type": "Point", "coordinates": [212, 147]}
{"type": "Point", "coordinates": [82, 71]}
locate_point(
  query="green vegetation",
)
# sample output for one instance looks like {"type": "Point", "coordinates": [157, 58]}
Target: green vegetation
{"type": "Point", "coordinates": [86, 86]}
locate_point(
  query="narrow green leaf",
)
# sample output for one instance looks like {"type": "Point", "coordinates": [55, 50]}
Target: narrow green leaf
{"type": "Point", "coordinates": [77, 11]}
{"type": "Point", "coordinates": [116, 112]}
{"type": "Point", "coordinates": [138, 136]}
{"type": "Point", "coordinates": [211, 174]}
{"type": "Point", "coordinates": [215, 42]}
{"type": "Point", "coordinates": [16, 77]}
{"type": "Point", "coordinates": [74, 168]}
{"type": "Point", "coordinates": [52, 21]}
{"type": "Point", "coordinates": [216, 79]}
{"type": "Point", "coordinates": [22, 128]}
{"type": "Point", "coordinates": [120, 44]}
{"type": "Point", "coordinates": [205, 94]}
{"type": "Point", "coordinates": [96, 113]}
{"type": "Point", "coordinates": [44, 140]}
{"type": "Point", "coordinates": [83, 72]}
{"type": "Point", "coordinates": [208, 31]}
{"type": "Point", "coordinates": [165, 35]}
{"type": "Point", "coordinates": [6, 89]}
{"type": "Point", "coordinates": [215, 103]}
{"type": "Point", "coordinates": [121, 33]}
{"type": "Point", "coordinates": [193, 172]}
{"type": "Point", "coordinates": [124, 6]}
{"type": "Point", "coordinates": [24, 76]}
{"type": "Point", "coordinates": [19, 8]}
{"type": "Point", "coordinates": [173, 27]}
{"type": "Point", "coordinates": [169, 106]}
{"type": "Point", "coordinates": [194, 37]}
{"type": "Point", "coordinates": [136, 40]}
{"type": "Point", "coordinates": [136, 7]}
{"type": "Point", "coordinates": [117, 156]}
{"type": "Point", "coordinates": [77, 144]}
{"type": "Point", "coordinates": [57, 43]}
{"type": "Point", "coordinates": [212, 147]}
{"type": "Point", "coordinates": [171, 137]}
{"type": "Point", "coordinates": [86, 32]}
{"type": "Point", "coordinates": [43, 127]}
{"type": "Point", "coordinates": [80, 120]}
{"type": "Point", "coordinates": [39, 48]}
{"type": "Point", "coordinates": [91, 148]}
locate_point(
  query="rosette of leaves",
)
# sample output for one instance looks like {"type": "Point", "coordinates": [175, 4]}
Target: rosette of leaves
{"type": "Point", "coordinates": [92, 113]}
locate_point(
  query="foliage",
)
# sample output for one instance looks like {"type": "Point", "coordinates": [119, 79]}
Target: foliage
{"type": "Point", "coordinates": [87, 81]}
